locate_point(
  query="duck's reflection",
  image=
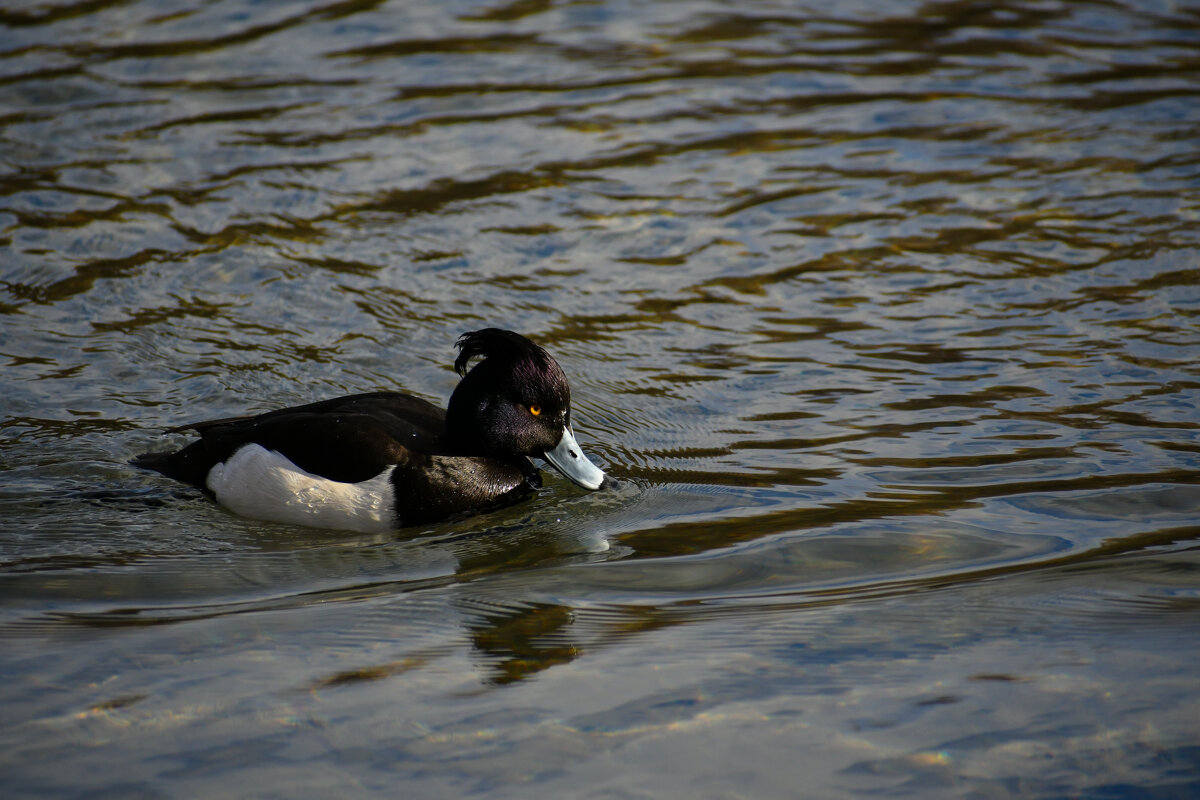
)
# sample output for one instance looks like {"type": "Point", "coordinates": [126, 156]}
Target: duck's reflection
{"type": "Point", "coordinates": [516, 643]}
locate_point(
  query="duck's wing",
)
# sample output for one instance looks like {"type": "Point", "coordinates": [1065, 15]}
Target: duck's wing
{"type": "Point", "coordinates": [348, 439]}
{"type": "Point", "coordinates": [389, 407]}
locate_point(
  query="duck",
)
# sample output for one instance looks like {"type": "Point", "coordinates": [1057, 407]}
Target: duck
{"type": "Point", "coordinates": [384, 460]}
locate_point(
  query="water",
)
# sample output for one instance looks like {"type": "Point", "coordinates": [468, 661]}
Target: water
{"type": "Point", "coordinates": [884, 315]}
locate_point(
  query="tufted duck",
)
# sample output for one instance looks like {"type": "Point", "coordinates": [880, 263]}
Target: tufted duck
{"type": "Point", "coordinates": [377, 461]}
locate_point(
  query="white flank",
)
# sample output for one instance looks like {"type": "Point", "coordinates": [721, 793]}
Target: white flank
{"type": "Point", "coordinates": [260, 483]}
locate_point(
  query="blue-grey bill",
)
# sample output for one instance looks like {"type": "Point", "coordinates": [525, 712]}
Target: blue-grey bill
{"type": "Point", "coordinates": [568, 459]}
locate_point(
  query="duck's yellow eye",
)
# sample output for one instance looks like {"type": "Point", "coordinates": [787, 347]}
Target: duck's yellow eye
{"type": "Point", "coordinates": [535, 409]}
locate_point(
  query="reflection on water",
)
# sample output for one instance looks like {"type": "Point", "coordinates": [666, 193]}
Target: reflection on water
{"type": "Point", "coordinates": [885, 317]}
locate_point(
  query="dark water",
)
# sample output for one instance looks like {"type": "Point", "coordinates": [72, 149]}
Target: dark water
{"type": "Point", "coordinates": [886, 316]}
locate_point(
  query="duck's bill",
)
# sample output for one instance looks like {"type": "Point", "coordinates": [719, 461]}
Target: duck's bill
{"type": "Point", "coordinates": [568, 459]}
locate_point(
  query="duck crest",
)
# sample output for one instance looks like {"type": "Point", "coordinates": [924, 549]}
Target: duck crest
{"type": "Point", "coordinates": [507, 347]}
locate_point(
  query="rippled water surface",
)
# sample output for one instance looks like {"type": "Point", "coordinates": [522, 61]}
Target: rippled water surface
{"type": "Point", "coordinates": [886, 316]}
